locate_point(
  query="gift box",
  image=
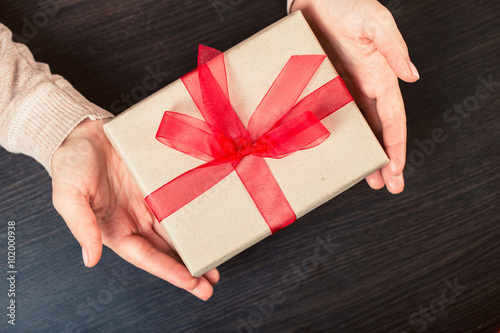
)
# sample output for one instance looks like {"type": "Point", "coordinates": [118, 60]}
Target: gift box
{"type": "Point", "coordinates": [247, 143]}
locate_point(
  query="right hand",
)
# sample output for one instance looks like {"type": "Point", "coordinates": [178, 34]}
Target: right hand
{"type": "Point", "coordinates": [367, 49]}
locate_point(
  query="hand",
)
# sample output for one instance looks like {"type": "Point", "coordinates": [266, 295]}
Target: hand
{"type": "Point", "coordinates": [366, 47]}
{"type": "Point", "coordinates": [98, 199]}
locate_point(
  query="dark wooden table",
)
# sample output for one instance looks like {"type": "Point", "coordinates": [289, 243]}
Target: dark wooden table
{"type": "Point", "coordinates": [427, 260]}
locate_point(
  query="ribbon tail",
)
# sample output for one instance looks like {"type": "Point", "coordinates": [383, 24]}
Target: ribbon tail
{"type": "Point", "coordinates": [207, 53]}
{"type": "Point", "coordinates": [284, 92]}
{"type": "Point", "coordinates": [182, 190]}
{"type": "Point", "coordinates": [323, 101]}
{"type": "Point", "coordinates": [265, 192]}
{"type": "Point", "coordinates": [215, 61]}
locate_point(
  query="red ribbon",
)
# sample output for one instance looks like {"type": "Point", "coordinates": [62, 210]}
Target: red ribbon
{"type": "Point", "coordinates": [277, 128]}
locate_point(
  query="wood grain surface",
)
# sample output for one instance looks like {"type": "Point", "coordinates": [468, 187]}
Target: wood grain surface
{"type": "Point", "coordinates": [427, 260]}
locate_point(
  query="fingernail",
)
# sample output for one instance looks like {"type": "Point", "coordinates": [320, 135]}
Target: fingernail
{"type": "Point", "coordinates": [392, 183]}
{"type": "Point", "coordinates": [413, 70]}
{"type": "Point", "coordinates": [85, 256]}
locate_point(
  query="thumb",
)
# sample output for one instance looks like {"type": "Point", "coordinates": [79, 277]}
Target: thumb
{"type": "Point", "coordinates": [80, 218]}
{"type": "Point", "coordinates": [383, 31]}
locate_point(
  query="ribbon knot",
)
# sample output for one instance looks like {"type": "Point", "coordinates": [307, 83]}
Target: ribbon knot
{"type": "Point", "coordinates": [234, 151]}
{"type": "Point", "coordinates": [245, 150]}
{"type": "Point", "coordinates": [278, 127]}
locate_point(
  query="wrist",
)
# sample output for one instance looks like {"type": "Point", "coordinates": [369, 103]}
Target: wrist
{"type": "Point", "coordinates": [80, 145]}
{"type": "Point", "coordinates": [88, 129]}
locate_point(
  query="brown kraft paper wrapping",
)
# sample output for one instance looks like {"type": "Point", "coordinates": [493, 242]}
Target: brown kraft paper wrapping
{"type": "Point", "coordinates": [224, 220]}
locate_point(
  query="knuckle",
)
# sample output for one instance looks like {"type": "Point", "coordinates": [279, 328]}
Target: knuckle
{"type": "Point", "coordinates": [397, 167]}
{"type": "Point", "coordinates": [394, 121]}
{"type": "Point", "coordinates": [383, 16]}
{"type": "Point", "coordinates": [148, 255]}
{"type": "Point", "coordinates": [82, 230]}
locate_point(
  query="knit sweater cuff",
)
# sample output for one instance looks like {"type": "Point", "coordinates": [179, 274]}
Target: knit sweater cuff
{"type": "Point", "coordinates": [43, 121]}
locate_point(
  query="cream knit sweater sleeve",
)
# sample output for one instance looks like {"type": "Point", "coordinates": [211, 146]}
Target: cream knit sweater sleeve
{"type": "Point", "coordinates": [37, 109]}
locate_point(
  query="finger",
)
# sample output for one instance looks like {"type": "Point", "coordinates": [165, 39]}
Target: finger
{"type": "Point", "coordinates": [368, 107]}
{"type": "Point", "coordinates": [157, 227]}
{"type": "Point", "coordinates": [395, 184]}
{"type": "Point", "coordinates": [375, 180]}
{"type": "Point", "coordinates": [160, 243]}
{"type": "Point", "coordinates": [141, 253]}
{"type": "Point", "coordinates": [78, 215]}
{"type": "Point", "coordinates": [212, 276]}
{"type": "Point", "coordinates": [392, 116]}
{"type": "Point", "coordinates": [161, 237]}
{"type": "Point", "coordinates": [384, 32]}
{"type": "Point", "coordinates": [203, 290]}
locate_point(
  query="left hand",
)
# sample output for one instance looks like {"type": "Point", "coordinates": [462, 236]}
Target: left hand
{"type": "Point", "coordinates": [368, 51]}
{"type": "Point", "coordinates": [98, 199]}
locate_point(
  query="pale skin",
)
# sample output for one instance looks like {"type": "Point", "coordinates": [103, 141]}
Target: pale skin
{"type": "Point", "coordinates": [100, 203]}
{"type": "Point", "coordinates": [366, 47]}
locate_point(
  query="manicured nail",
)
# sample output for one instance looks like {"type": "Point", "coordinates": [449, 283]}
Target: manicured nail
{"type": "Point", "coordinates": [85, 256]}
{"type": "Point", "coordinates": [413, 70]}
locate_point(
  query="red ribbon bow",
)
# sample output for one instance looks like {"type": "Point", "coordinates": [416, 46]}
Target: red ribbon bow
{"type": "Point", "coordinates": [277, 128]}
